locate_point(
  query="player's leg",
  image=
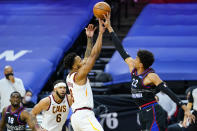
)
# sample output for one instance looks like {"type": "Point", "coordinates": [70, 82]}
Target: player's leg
{"type": "Point", "coordinates": [143, 119]}
{"type": "Point", "coordinates": [90, 123]}
{"type": "Point", "coordinates": [160, 117]}
{"type": "Point", "coordinates": [74, 122]}
{"type": "Point", "coordinates": [148, 119]}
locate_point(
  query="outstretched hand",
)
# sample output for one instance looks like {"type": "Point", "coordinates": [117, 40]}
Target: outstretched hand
{"type": "Point", "coordinates": [107, 23]}
{"type": "Point", "coordinates": [90, 30]}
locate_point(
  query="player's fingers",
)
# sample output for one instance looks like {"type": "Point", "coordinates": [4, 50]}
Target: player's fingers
{"type": "Point", "coordinates": [108, 14]}
{"type": "Point", "coordinates": [95, 28]}
{"type": "Point", "coordinates": [103, 23]}
{"type": "Point", "coordinates": [105, 16]}
{"type": "Point", "coordinates": [89, 26]}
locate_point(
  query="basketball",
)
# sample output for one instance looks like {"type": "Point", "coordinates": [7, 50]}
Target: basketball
{"type": "Point", "coordinates": [100, 9]}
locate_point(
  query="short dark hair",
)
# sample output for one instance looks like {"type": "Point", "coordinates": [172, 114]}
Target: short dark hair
{"type": "Point", "coordinates": [15, 92]}
{"type": "Point", "coordinates": [58, 81]}
{"type": "Point", "coordinates": [69, 60]}
{"type": "Point", "coordinates": [146, 58]}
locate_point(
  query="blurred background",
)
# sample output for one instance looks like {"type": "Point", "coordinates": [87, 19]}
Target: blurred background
{"type": "Point", "coordinates": [35, 35]}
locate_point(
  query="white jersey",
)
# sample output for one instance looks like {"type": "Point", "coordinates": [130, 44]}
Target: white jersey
{"type": "Point", "coordinates": [81, 94]}
{"type": "Point", "coordinates": [55, 117]}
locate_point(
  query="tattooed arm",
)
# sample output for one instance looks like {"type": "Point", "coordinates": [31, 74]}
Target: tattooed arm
{"type": "Point", "coordinates": [89, 33]}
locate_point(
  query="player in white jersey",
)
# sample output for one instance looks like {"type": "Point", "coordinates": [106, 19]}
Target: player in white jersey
{"type": "Point", "coordinates": [83, 118]}
{"type": "Point", "coordinates": [55, 108]}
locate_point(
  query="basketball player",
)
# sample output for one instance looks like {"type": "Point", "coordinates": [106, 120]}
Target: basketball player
{"type": "Point", "coordinates": [55, 108]}
{"type": "Point", "coordinates": [83, 118]}
{"type": "Point", "coordinates": [145, 83]}
{"type": "Point", "coordinates": [15, 118]}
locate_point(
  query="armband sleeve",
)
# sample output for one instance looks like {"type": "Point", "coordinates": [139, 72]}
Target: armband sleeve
{"type": "Point", "coordinates": [163, 87]}
{"type": "Point", "coordinates": [119, 46]}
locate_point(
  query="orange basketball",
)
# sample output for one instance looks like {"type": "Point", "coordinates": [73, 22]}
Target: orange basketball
{"type": "Point", "coordinates": [100, 9]}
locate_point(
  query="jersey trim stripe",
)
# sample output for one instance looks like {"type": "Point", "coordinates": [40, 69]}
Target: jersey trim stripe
{"type": "Point", "coordinates": [148, 104]}
{"type": "Point", "coordinates": [18, 118]}
{"type": "Point", "coordinates": [74, 77]}
{"type": "Point", "coordinates": [15, 111]}
{"type": "Point", "coordinates": [49, 104]}
{"type": "Point", "coordinates": [67, 100]}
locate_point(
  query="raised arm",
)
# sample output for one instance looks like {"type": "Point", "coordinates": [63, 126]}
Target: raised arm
{"type": "Point", "coordinates": [89, 33]}
{"type": "Point", "coordinates": [2, 122]}
{"type": "Point", "coordinates": [81, 76]}
{"type": "Point", "coordinates": [116, 41]}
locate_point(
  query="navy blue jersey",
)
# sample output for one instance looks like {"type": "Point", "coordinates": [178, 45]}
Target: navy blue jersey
{"type": "Point", "coordinates": [13, 121]}
{"type": "Point", "coordinates": [140, 93]}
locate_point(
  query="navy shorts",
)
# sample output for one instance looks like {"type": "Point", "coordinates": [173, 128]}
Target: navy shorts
{"type": "Point", "coordinates": [153, 118]}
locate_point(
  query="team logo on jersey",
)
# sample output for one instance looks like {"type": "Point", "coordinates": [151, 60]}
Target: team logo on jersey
{"type": "Point", "coordinates": [58, 108]}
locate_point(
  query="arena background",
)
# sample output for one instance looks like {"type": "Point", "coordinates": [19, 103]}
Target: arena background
{"type": "Point", "coordinates": [36, 35]}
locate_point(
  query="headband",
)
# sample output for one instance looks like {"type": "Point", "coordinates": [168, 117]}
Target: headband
{"type": "Point", "coordinates": [61, 84]}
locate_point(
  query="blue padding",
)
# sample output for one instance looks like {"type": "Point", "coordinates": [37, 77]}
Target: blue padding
{"type": "Point", "coordinates": [51, 54]}
{"type": "Point", "coordinates": [170, 64]}
{"type": "Point", "coordinates": [160, 41]}
{"type": "Point", "coordinates": [62, 42]}
{"type": "Point", "coordinates": [163, 30]}
{"type": "Point", "coordinates": [164, 54]}
{"type": "Point", "coordinates": [167, 19]}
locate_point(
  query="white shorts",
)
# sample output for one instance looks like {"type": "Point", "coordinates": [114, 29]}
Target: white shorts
{"type": "Point", "coordinates": [85, 120]}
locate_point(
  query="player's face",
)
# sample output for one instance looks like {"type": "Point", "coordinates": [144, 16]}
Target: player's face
{"type": "Point", "coordinates": [78, 62]}
{"type": "Point", "coordinates": [137, 62]}
{"type": "Point", "coordinates": [15, 100]}
{"type": "Point", "coordinates": [61, 92]}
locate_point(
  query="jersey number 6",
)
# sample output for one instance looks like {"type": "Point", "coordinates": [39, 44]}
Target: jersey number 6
{"type": "Point", "coordinates": [58, 117]}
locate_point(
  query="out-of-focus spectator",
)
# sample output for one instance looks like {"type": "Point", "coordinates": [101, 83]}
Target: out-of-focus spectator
{"type": "Point", "coordinates": [9, 84]}
{"type": "Point", "coordinates": [26, 101]}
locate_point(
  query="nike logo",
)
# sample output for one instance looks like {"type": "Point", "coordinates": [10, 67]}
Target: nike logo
{"type": "Point", "coordinates": [148, 109]}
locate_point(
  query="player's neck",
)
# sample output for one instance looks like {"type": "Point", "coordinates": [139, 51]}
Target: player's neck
{"type": "Point", "coordinates": [73, 70]}
{"type": "Point", "coordinates": [140, 71]}
{"type": "Point", "coordinates": [56, 98]}
{"type": "Point", "coordinates": [13, 109]}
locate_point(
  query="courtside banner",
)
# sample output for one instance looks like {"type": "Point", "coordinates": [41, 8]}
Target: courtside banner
{"type": "Point", "coordinates": [116, 112]}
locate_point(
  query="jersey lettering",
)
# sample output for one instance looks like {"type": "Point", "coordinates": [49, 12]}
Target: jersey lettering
{"type": "Point", "coordinates": [59, 109]}
{"type": "Point", "coordinates": [137, 95]}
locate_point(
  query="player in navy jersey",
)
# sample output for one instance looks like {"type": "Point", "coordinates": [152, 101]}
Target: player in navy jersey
{"type": "Point", "coordinates": [145, 83]}
{"type": "Point", "coordinates": [15, 118]}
